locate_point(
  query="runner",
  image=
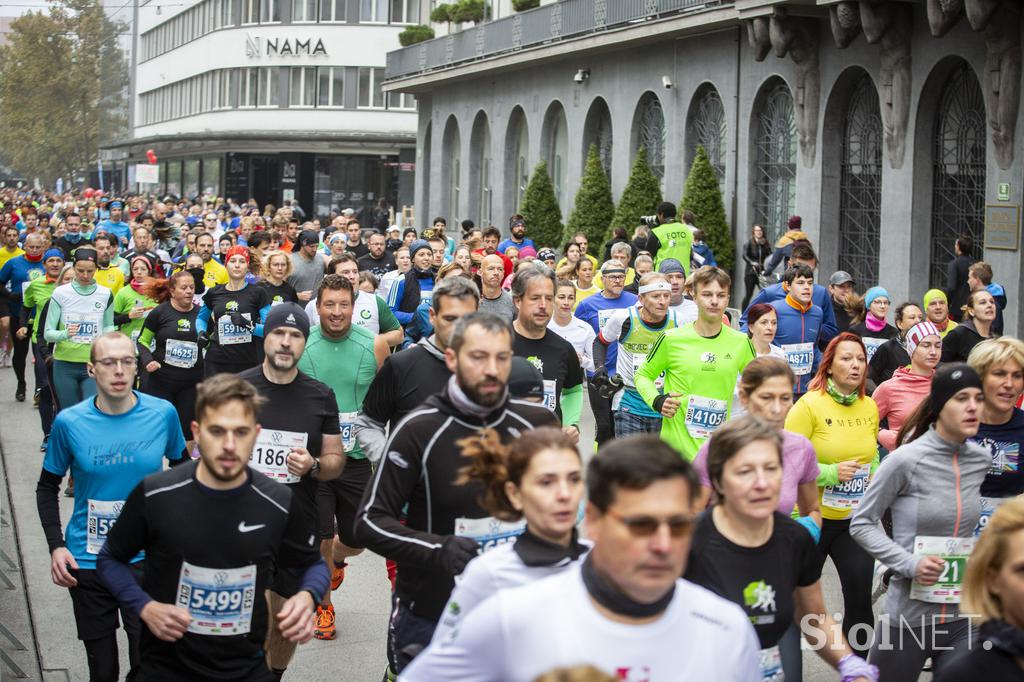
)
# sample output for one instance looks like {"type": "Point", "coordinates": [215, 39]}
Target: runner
{"type": "Point", "coordinates": [237, 311]}
{"type": "Point", "coordinates": [377, 259]}
{"type": "Point", "coordinates": [213, 272]}
{"type": "Point", "coordinates": [345, 357]}
{"type": "Point", "coordinates": [842, 424]}
{"type": "Point", "coordinates": [16, 274]}
{"type": "Point", "coordinates": [992, 592]}
{"type": "Point", "coordinates": [407, 379]}
{"type": "Point", "coordinates": [583, 277]}
{"type": "Point", "coordinates": [34, 299]}
{"type": "Point", "coordinates": [747, 551]}
{"type": "Point", "coordinates": [73, 236]}
{"type": "Point", "coordinates": [277, 268]}
{"type": "Point", "coordinates": [169, 349]}
{"type": "Point", "coordinates": [800, 324]}
{"type": "Point", "coordinates": [533, 292]}
{"type": "Point", "coordinates": [975, 326]}
{"type": "Point", "coordinates": [370, 311]}
{"type": "Point", "coordinates": [898, 397]}
{"type": "Point", "coordinates": [131, 305]}
{"type": "Point", "coordinates": [572, 329]}
{"type": "Point", "coordinates": [623, 608]}
{"type": "Point", "coordinates": [403, 263]}
{"type": "Point", "coordinates": [536, 482]}
{"type": "Point", "coordinates": [763, 324]}
{"type": "Point", "coordinates": [684, 309]}
{"type": "Point", "coordinates": [299, 443]}
{"type": "Point", "coordinates": [936, 308]}
{"type": "Point", "coordinates": [202, 600]}
{"type": "Point", "coordinates": [445, 523]}
{"type": "Point", "coordinates": [104, 446]}
{"type": "Point", "coordinates": [701, 363]}
{"type": "Point", "coordinates": [872, 328]}
{"type": "Point", "coordinates": [842, 288]}
{"type": "Point", "coordinates": [494, 299]}
{"type": "Point", "coordinates": [415, 286]}
{"type": "Point", "coordinates": [108, 274]}
{"type": "Point", "coordinates": [635, 331]}
{"type": "Point", "coordinates": [77, 313]}
{"type": "Point", "coordinates": [930, 485]}
{"type": "Point", "coordinates": [595, 311]}
{"type": "Point", "coordinates": [892, 354]}
{"type": "Point", "coordinates": [1000, 363]}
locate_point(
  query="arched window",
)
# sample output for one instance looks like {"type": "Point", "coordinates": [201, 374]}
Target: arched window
{"type": "Point", "coordinates": [518, 154]}
{"type": "Point", "coordinates": [958, 169]}
{"type": "Point", "coordinates": [774, 173]}
{"type": "Point", "coordinates": [480, 171]}
{"type": "Point", "coordinates": [649, 132]}
{"type": "Point", "coordinates": [706, 128]}
{"type": "Point", "coordinates": [556, 146]}
{"type": "Point", "coordinates": [451, 170]}
{"type": "Point", "coordinates": [598, 131]}
{"type": "Point", "coordinates": [424, 167]}
{"type": "Point", "coordinates": [860, 184]}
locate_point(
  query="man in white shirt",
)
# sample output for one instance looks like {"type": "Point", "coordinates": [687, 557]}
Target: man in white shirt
{"type": "Point", "coordinates": [683, 308]}
{"type": "Point", "coordinates": [624, 610]}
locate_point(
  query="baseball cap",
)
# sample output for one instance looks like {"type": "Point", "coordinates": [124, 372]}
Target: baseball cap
{"type": "Point", "coordinates": [348, 212]}
{"type": "Point", "coordinates": [524, 379]}
{"type": "Point", "coordinates": [840, 277]}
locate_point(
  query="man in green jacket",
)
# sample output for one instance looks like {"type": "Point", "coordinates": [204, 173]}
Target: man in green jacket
{"type": "Point", "coordinates": [671, 238]}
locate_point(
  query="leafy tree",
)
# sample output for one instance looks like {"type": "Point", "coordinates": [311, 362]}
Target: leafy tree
{"type": "Point", "coordinates": [63, 92]}
{"type": "Point", "coordinates": [641, 196]}
{"type": "Point", "coordinates": [541, 210]}
{"type": "Point", "coordinates": [415, 34]}
{"type": "Point", "coordinates": [593, 204]}
{"type": "Point", "coordinates": [702, 195]}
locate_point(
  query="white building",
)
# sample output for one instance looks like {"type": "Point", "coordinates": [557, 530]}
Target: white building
{"type": "Point", "coordinates": [273, 99]}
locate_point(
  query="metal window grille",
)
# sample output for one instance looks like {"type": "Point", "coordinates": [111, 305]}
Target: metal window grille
{"type": "Point", "coordinates": [860, 185]}
{"type": "Point", "coordinates": [707, 129]}
{"type": "Point", "coordinates": [651, 134]}
{"type": "Point", "coordinates": [775, 162]}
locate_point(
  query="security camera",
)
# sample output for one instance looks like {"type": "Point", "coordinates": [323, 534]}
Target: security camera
{"type": "Point", "coordinates": [581, 75]}
{"type": "Point", "coordinates": [666, 82]}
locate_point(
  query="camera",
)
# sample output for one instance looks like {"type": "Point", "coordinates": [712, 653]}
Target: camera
{"type": "Point", "coordinates": [649, 220]}
{"type": "Point", "coordinates": [607, 386]}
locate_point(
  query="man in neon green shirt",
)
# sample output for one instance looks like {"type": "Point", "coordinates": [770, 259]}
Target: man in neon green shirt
{"type": "Point", "coordinates": [701, 362]}
{"type": "Point", "coordinates": [671, 238]}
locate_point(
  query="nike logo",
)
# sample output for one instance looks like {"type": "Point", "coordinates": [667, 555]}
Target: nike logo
{"type": "Point", "coordinates": [242, 528]}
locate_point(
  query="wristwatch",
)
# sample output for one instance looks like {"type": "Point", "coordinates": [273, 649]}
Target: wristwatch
{"type": "Point", "coordinates": [315, 469]}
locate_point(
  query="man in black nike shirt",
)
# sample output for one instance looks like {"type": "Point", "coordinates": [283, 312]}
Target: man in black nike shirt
{"type": "Point", "coordinates": [201, 596]}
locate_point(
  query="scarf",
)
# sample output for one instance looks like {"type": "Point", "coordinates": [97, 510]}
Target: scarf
{"type": "Point", "coordinates": [841, 398]}
{"type": "Point", "coordinates": [1004, 637]}
{"type": "Point", "coordinates": [873, 323]}
{"type": "Point", "coordinates": [412, 295]}
{"type": "Point", "coordinates": [612, 598]}
{"type": "Point", "coordinates": [33, 259]}
{"type": "Point", "coordinates": [136, 285]}
{"type": "Point", "coordinates": [537, 552]}
{"type": "Point", "coordinates": [464, 404]}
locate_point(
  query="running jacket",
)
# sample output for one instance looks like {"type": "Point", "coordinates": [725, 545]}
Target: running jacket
{"type": "Point", "coordinates": [418, 474]}
{"type": "Point", "coordinates": [820, 298]}
{"type": "Point", "coordinates": [796, 326]}
{"type": "Point", "coordinates": [932, 488]}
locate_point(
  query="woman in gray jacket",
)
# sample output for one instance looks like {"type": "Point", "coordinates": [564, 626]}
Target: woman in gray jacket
{"type": "Point", "coordinates": [932, 485]}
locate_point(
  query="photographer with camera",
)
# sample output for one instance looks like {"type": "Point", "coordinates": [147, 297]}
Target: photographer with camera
{"type": "Point", "coordinates": [669, 238]}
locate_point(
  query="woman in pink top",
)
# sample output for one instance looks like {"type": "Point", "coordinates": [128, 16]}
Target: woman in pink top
{"type": "Point", "coordinates": [766, 391]}
{"type": "Point", "coordinates": [898, 397]}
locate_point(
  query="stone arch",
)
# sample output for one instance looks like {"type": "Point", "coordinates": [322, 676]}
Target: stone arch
{"type": "Point", "coordinates": [425, 165]}
{"type": "Point", "coordinates": [773, 137]}
{"type": "Point", "coordinates": [554, 138]}
{"type": "Point", "coordinates": [706, 127]}
{"type": "Point", "coordinates": [597, 129]}
{"type": "Point", "coordinates": [517, 157]}
{"type": "Point", "coordinates": [481, 171]}
{"type": "Point", "coordinates": [451, 170]}
{"type": "Point", "coordinates": [650, 133]}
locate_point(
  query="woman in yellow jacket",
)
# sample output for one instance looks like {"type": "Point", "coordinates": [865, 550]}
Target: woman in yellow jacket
{"type": "Point", "coordinates": [842, 424]}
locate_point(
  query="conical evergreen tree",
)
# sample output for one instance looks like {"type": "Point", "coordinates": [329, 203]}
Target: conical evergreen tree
{"type": "Point", "coordinates": [593, 204]}
{"type": "Point", "coordinates": [702, 195]}
{"type": "Point", "coordinates": [641, 196]}
{"type": "Point", "coordinates": [541, 210]}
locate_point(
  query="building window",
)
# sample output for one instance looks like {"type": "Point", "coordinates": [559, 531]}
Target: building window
{"type": "Point", "coordinates": [521, 170]}
{"type": "Point", "coordinates": [227, 8]}
{"type": "Point", "coordinates": [270, 11]}
{"type": "Point", "coordinates": [706, 129]}
{"type": "Point", "coordinates": [597, 130]}
{"type": "Point", "coordinates": [370, 94]}
{"type": "Point", "coordinates": [958, 169]}
{"type": "Point", "coordinates": [405, 11]}
{"type": "Point", "coordinates": [332, 10]}
{"type": "Point", "coordinates": [248, 87]}
{"type": "Point", "coordinates": [304, 11]}
{"type": "Point", "coordinates": [774, 176]}
{"type": "Point", "coordinates": [556, 140]}
{"type": "Point", "coordinates": [401, 100]}
{"type": "Point", "coordinates": [269, 96]}
{"type": "Point", "coordinates": [650, 133]}
{"type": "Point", "coordinates": [303, 86]}
{"type": "Point", "coordinates": [250, 11]}
{"type": "Point", "coordinates": [373, 11]}
{"type": "Point", "coordinates": [330, 86]}
{"type": "Point", "coordinates": [860, 184]}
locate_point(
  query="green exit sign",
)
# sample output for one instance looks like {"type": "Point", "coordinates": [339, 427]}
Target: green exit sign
{"type": "Point", "coordinates": [1003, 191]}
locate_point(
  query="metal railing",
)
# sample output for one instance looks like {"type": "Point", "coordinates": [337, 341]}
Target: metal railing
{"type": "Point", "coordinates": [547, 24]}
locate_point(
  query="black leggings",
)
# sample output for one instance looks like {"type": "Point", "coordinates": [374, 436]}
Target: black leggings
{"type": "Point", "coordinates": [104, 664]}
{"type": "Point", "coordinates": [602, 409]}
{"type": "Point", "coordinates": [856, 568]}
{"type": "Point", "coordinates": [47, 406]}
{"type": "Point", "coordinates": [18, 355]}
{"type": "Point", "coordinates": [181, 394]}
{"type": "Point", "coordinates": [752, 282]}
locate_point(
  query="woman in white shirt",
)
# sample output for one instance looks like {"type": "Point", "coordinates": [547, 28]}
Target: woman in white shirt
{"type": "Point", "coordinates": [572, 329]}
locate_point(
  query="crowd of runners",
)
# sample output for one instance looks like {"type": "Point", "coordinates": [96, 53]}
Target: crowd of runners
{"type": "Point", "coordinates": [240, 399]}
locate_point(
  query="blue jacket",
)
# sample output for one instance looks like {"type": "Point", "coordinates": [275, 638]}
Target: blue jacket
{"type": "Point", "coordinates": [796, 327]}
{"type": "Point", "coordinates": [15, 276]}
{"type": "Point", "coordinates": [820, 298]}
{"type": "Point", "coordinates": [705, 252]}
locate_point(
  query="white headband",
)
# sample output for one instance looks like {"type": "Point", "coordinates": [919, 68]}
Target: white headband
{"type": "Point", "coordinates": [660, 285]}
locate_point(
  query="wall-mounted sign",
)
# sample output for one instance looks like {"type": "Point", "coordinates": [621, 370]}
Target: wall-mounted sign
{"type": "Point", "coordinates": [147, 173]}
{"type": "Point", "coordinates": [259, 46]}
{"type": "Point", "coordinates": [1003, 191]}
{"type": "Point", "coordinates": [1002, 226]}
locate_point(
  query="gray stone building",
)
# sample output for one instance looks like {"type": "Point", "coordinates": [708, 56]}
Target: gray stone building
{"type": "Point", "coordinates": [888, 126]}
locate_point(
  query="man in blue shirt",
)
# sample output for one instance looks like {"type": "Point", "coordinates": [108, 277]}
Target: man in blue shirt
{"type": "Point", "coordinates": [109, 443]}
{"type": "Point", "coordinates": [115, 225]}
{"type": "Point", "coordinates": [517, 226]}
{"type": "Point", "coordinates": [15, 276]}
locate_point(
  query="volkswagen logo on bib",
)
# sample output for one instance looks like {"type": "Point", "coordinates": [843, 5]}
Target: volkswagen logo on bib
{"type": "Point", "coordinates": [220, 577]}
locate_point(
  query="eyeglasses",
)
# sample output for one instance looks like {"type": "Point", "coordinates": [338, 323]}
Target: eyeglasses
{"type": "Point", "coordinates": [646, 526]}
{"type": "Point", "coordinates": [110, 363]}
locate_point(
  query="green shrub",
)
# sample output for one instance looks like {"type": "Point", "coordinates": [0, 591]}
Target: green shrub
{"type": "Point", "coordinates": [592, 206]}
{"type": "Point", "coordinates": [641, 195]}
{"type": "Point", "coordinates": [702, 195]}
{"type": "Point", "coordinates": [468, 10]}
{"type": "Point", "coordinates": [442, 14]}
{"type": "Point", "coordinates": [523, 5]}
{"type": "Point", "coordinates": [415, 34]}
{"type": "Point", "coordinates": [540, 209]}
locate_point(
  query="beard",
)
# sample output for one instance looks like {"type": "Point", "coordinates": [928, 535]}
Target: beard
{"type": "Point", "coordinates": [282, 366]}
{"type": "Point", "coordinates": [474, 391]}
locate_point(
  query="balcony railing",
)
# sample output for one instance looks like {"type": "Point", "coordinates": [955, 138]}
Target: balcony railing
{"type": "Point", "coordinates": [544, 25]}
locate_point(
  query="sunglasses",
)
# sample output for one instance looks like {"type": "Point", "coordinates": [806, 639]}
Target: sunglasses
{"type": "Point", "coordinates": [646, 526]}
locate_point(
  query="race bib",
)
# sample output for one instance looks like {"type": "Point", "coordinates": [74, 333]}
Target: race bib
{"type": "Point", "coordinates": [347, 421]}
{"type": "Point", "coordinates": [602, 317]}
{"type": "Point", "coordinates": [182, 354]}
{"type": "Point", "coordinates": [101, 517]}
{"type": "Point", "coordinates": [847, 495]}
{"type": "Point", "coordinates": [88, 328]}
{"type": "Point", "coordinates": [229, 335]}
{"type": "Point", "coordinates": [704, 415]}
{"type": "Point", "coordinates": [638, 361]}
{"type": "Point", "coordinates": [771, 665]}
{"type": "Point", "coordinates": [270, 454]}
{"type": "Point", "coordinates": [953, 552]}
{"type": "Point", "coordinates": [218, 599]}
{"type": "Point", "coordinates": [872, 345]}
{"type": "Point", "coordinates": [550, 394]}
{"type": "Point", "coordinates": [489, 531]}
{"type": "Point", "coordinates": [800, 357]}
{"type": "Point", "coordinates": [988, 507]}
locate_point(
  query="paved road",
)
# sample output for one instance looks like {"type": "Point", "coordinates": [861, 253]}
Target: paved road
{"type": "Point", "coordinates": [38, 614]}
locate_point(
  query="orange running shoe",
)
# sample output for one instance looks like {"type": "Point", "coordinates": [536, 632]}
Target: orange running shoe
{"type": "Point", "coordinates": [324, 628]}
{"type": "Point", "coordinates": [337, 576]}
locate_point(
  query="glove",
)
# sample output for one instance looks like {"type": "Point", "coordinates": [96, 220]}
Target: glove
{"type": "Point", "coordinates": [202, 340]}
{"type": "Point", "coordinates": [812, 527]}
{"type": "Point", "coordinates": [238, 319]}
{"type": "Point", "coordinates": [456, 552]}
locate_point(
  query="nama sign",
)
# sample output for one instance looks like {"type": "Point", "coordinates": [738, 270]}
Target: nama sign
{"type": "Point", "coordinates": [255, 46]}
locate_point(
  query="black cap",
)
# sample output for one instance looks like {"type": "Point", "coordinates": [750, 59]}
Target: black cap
{"type": "Point", "coordinates": [287, 315]}
{"type": "Point", "coordinates": [525, 380]}
{"type": "Point", "coordinates": [950, 379]}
